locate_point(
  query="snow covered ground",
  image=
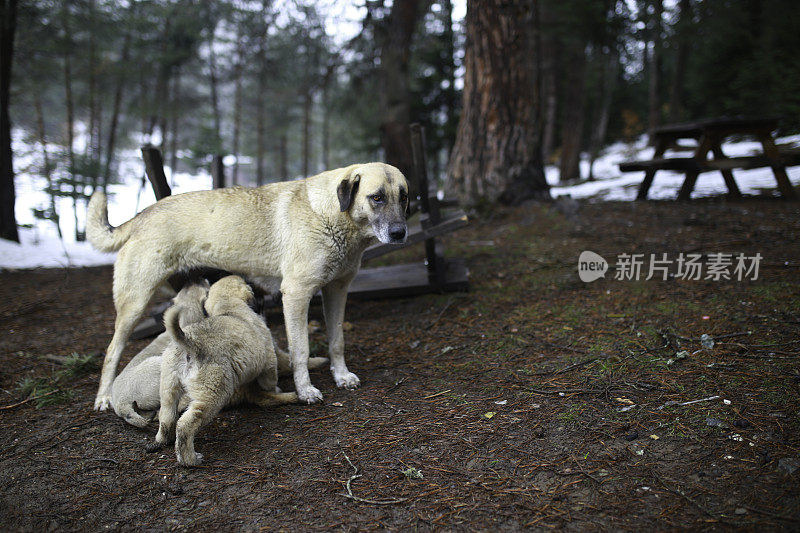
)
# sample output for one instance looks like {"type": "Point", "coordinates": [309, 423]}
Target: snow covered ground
{"type": "Point", "coordinates": [41, 246]}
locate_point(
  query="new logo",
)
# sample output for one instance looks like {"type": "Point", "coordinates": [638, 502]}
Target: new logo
{"type": "Point", "coordinates": [591, 266]}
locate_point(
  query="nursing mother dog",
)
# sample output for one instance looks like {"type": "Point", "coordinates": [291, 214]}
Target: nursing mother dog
{"type": "Point", "coordinates": [297, 236]}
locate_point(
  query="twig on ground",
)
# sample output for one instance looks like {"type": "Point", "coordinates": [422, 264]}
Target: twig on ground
{"type": "Point", "coordinates": [428, 397]}
{"type": "Point", "coordinates": [350, 494]}
{"type": "Point", "coordinates": [681, 404]}
{"type": "Point", "coordinates": [29, 399]}
{"type": "Point", "coordinates": [446, 306]}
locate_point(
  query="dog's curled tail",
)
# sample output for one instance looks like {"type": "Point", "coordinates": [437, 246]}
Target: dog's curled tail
{"type": "Point", "coordinates": [173, 325]}
{"type": "Point", "coordinates": [100, 233]}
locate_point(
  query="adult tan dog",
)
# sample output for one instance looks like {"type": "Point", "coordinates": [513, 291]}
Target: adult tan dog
{"type": "Point", "coordinates": [297, 236]}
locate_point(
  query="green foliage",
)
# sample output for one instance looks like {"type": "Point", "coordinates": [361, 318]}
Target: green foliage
{"type": "Point", "coordinates": [54, 389]}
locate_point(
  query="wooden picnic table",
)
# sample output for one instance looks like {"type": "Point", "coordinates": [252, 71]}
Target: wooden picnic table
{"type": "Point", "coordinates": [709, 135]}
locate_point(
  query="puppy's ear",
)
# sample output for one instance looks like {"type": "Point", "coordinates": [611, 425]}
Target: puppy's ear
{"type": "Point", "coordinates": [346, 191]}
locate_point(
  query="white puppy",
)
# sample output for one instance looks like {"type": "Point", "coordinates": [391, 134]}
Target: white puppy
{"type": "Point", "coordinates": [135, 389]}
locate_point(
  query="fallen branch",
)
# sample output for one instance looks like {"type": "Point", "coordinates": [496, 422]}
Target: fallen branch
{"type": "Point", "coordinates": [447, 305]}
{"type": "Point", "coordinates": [350, 494]}
{"type": "Point", "coordinates": [28, 399]}
{"type": "Point", "coordinates": [671, 403]}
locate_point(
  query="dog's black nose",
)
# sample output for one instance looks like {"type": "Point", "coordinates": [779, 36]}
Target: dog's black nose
{"type": "Point", "coordinates": [397, 232]}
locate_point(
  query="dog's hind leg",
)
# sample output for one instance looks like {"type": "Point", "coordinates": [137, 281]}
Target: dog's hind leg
{"type": "Point", "coordinates": [170, 393]}
{"type": "Point", "coordinates": [127, 317]}
{"type": "Point", "coordinates": [334, 298]}
{"type": "Point", "coordinates": [199, 413]}
{"type": "Point", "coordinates": [134, 284]}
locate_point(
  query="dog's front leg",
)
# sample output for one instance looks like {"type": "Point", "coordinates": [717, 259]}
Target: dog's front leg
{"type": "Point", "coordinates": [296, 297]}
{"type": "Point", "coordinates": [334, 298]}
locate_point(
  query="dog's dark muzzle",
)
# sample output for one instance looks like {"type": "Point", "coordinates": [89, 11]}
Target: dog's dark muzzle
{"type": "Point", "coordinates": [397, 232]}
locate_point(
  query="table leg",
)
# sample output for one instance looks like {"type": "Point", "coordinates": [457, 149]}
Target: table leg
{"type": "Point", "coordinates": [771, 151]}
{"type": "Point", "coordinates": [685, 192]}
{"type": "Point", "coordinates": [733, 188]}
{"type": "Point", "coordinates": [661, 147]}
{"type": "Point", "coordinates": [704, 145]}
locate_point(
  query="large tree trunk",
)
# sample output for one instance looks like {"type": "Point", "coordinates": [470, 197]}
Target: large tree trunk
{"type": "Point", "coordinates": [497, 155]}
{"type": "Point", "coordinates": [450, 95]}
{"type": "Point", "coordinates": [548, 60]}
{"type": "Point", "coordinates": [572, 111]}
{"type": "Point", "coordinates": [8, 24]}
{"type": "Point", "coordinates": [395, 35]}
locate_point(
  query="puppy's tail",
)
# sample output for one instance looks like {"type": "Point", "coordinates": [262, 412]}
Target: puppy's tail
{"type": "Point", "coordinates": [100, 233]}
{"type": "Point", "coordinates": [131, 416]}
{"type": "Point", "coordinates": [173, 325]}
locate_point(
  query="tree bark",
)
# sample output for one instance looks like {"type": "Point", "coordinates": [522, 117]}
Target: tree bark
{"type": "Point", "coordinates": [91, 151]}
{"type": "Point", "coordinates": [308, 101]}
{"type": "Point", "coordinates": [173, 137]}
{"type": "Point", "coordinates": [548, 56]}
{"type": "Point", "coordinates": [237, 111]}
{"type": "Point", "coordinates": [654, 63]}
{"type": "Point", "coordinates": [118, 90]}
{"type": "Point", "coordinates": [394, 36]}
{"type": "Point", "coordinates": [8, 25]}
{"type": "Point", "coordinates": [681, 58]}
{"type": "Point", "coordinates": [48, 169]}
{"type": "Point", "coordinates": [600, 123]}
{"type": "Point", "coordinates": [572, 110]}
{"type": "Point", "coordinates": [261, 144]}
{"type": "Point", "coordinates": [212, 69]}
{"type": "Point", "coordinates": [283, 158]}
{"type": "Point", "coordinates": [497, 154]}
{"type": "Point", "coordinates": [70, 117]}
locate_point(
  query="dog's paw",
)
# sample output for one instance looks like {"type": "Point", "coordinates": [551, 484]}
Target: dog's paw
{"type": "Point", "coordinates": [102, 402]}
{"type": "Point", "coordinates": [346, 380]}
{"type": "Point", "coordinates": [309, 394]}
{"type": "Point", "coordinates": [191, 460]}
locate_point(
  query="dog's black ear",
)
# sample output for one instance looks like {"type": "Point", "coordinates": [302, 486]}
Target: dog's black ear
{"type": "Point", "coordinates": [346, 191]}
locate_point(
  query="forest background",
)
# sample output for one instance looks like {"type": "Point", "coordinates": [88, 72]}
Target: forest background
{"type": "Point", "coordinates": [288, 88]}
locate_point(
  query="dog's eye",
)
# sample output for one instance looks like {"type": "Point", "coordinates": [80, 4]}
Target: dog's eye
{"type": "Point", "coordinates": [377, 198]}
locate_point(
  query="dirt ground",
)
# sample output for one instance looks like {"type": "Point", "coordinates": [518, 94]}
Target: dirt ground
{"type": "Point", "coordinates": [535, 401]}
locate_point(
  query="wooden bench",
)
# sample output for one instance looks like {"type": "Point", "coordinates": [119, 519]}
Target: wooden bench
{"type": "Point", "coordinates": [709, 135]}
